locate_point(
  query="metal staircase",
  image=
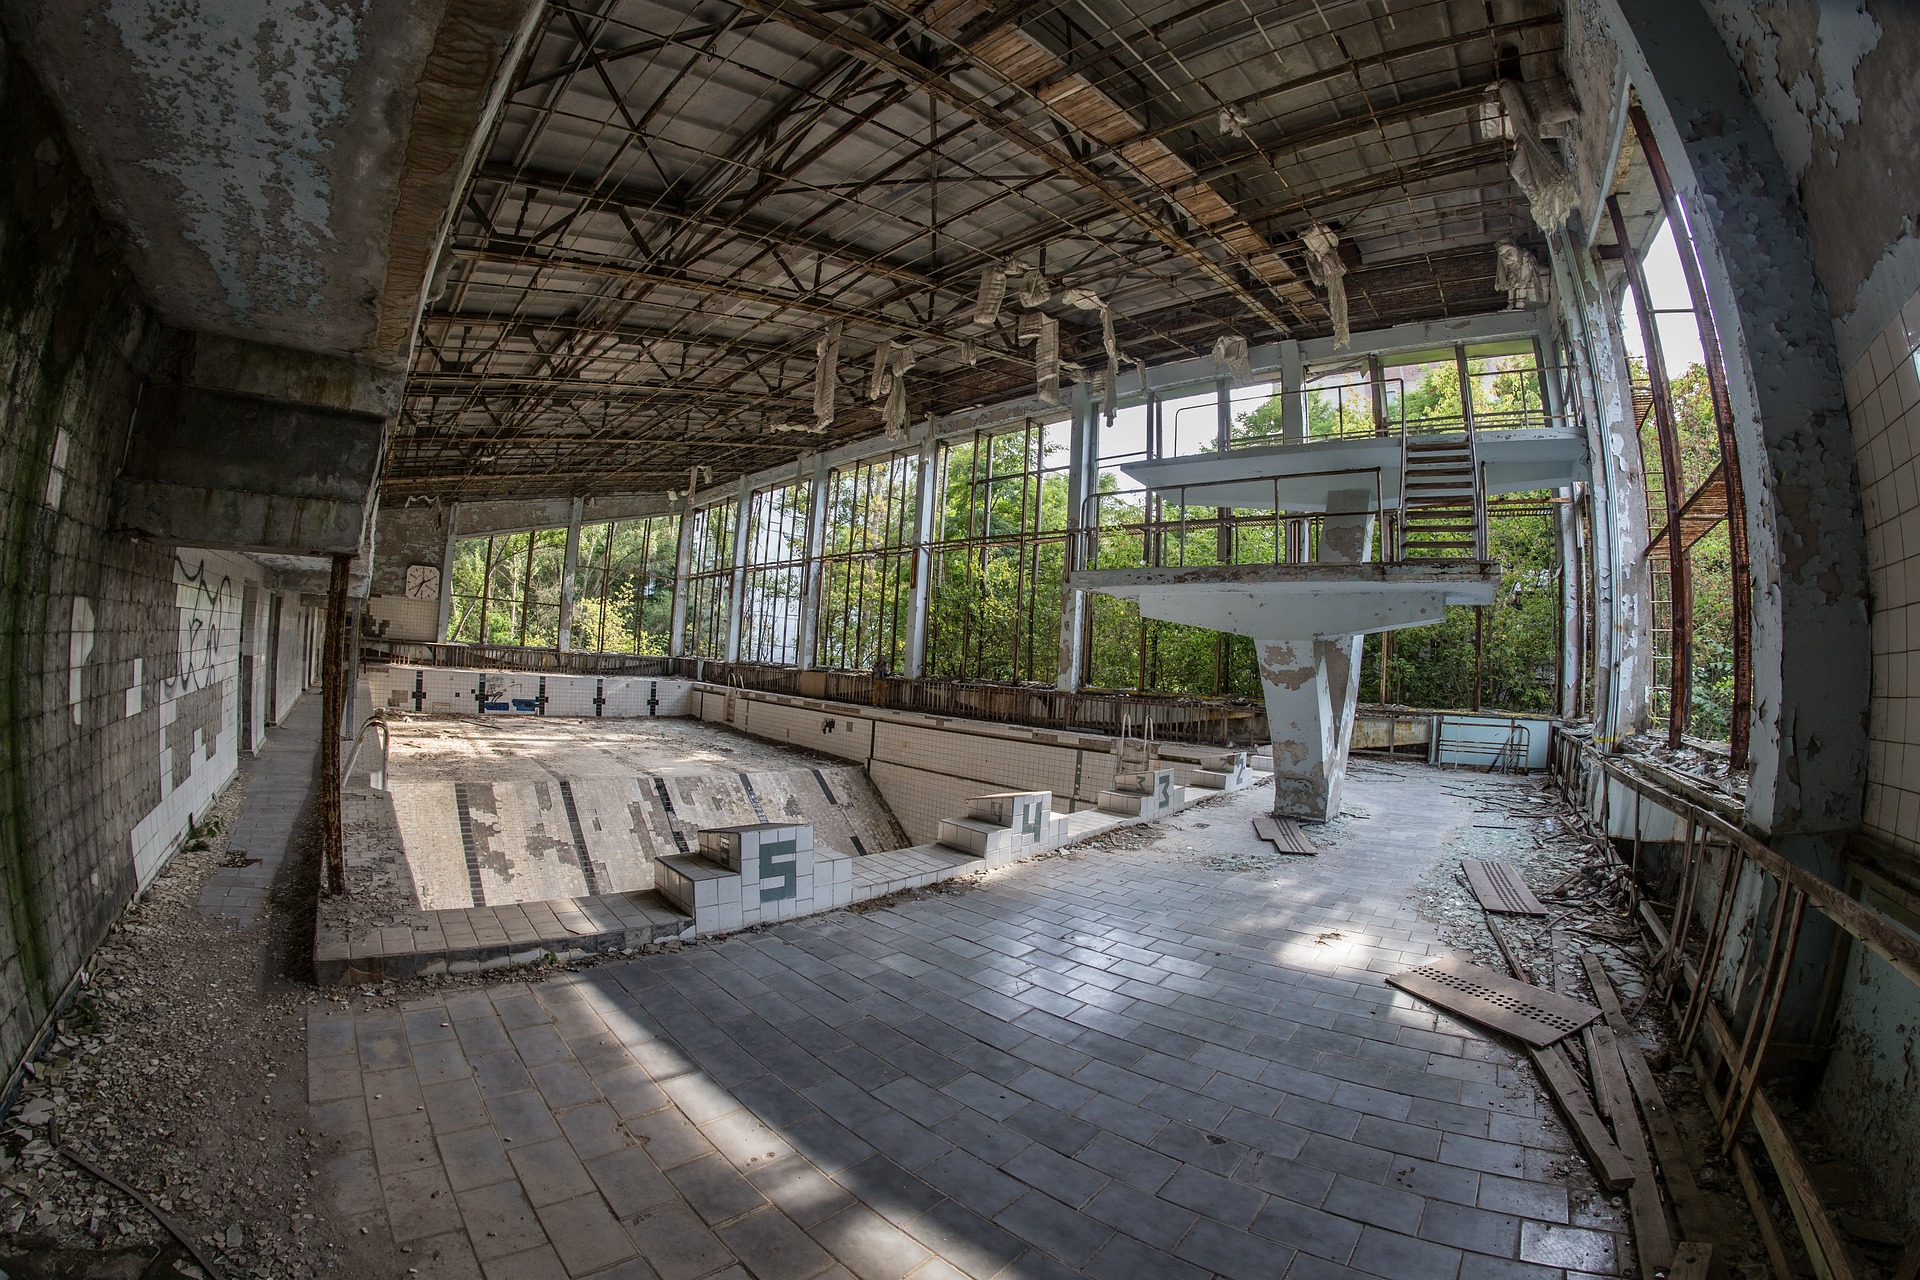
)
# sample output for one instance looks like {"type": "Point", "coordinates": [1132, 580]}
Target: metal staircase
{"type": "Point", "coordinates": [1443, 508]}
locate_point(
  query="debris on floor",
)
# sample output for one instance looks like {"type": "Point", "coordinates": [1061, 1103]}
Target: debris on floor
{"type": "Point", "coordinates": [1583, 945]}
{"type": "Point", "coordinates": [174, 1071]}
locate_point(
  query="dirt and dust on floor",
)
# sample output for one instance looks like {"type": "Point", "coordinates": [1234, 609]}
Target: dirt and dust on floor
{"type": "Point", "coordinates": [179, 1068]}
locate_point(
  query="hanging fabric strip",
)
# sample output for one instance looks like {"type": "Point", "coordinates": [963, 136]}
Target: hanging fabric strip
{"type": "Point", "coordinates": [882, 362]}
{"type": "Point", "coordinates": [969, 353]}
{"type": "Point", "coordinates": [1552, 194]}
{"type": "Point", "coordinates": [826, 378]}
{"type": "Point", "coordinates": [993, 291]}
{"type": "Point", "coordinates": [1327, 271]}
{"type": "Point", "coordinates": [1046, 361]}
{"type": "Point", "coordinates": [894, 416]}
{"type": "Point", "coordinates": [1034, 291]}
{"type": "Point", "coordinates": [1518, 274]}
{"type": "Point", "coordinates": [1230, 353]}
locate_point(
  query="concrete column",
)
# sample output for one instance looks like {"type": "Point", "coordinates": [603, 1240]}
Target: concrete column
{"type": "Point", "coordinates": [1812, 655]}
{"type": "Point", "coordinates": [1571, 653]}
{"type": "Point", "coordinates": [922, 564]}
{"type": "Point", "coordinates": [569, 570]}
{"type": "Point", "coordinates": [815, 544]}
{"type": "Point", "coordinates": [1623, 615]}
{"type": "Point", "coordinates": [682, 561]}
{"type": "Point", "coordinates": [1293, 409]}
{"type": "Point", "coordinates": [445, 618]}
{"type": "Point", "coordinates": [1082, 457]}
{"type": "Point", "coordinates": [742, 526]}
{"type": "Point", "coordinates": [1312, 685]}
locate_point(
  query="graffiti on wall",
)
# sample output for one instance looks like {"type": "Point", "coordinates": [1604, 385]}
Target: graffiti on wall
{"type": "Point", "coordinates": [209, 603]}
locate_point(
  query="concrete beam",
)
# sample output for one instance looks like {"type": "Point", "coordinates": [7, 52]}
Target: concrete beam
{"type": "Point", "coordinates": [253, 448]}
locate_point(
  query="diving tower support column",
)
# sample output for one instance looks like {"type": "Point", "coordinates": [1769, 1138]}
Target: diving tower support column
{"type": "Point", "coordinates": [1312, 685]}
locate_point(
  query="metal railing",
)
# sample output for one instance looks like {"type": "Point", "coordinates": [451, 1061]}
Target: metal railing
{"type": "Point", "coordinates": [1224, 516]}
{"type": "Point", "coordinates": [1196, 426]}
{"type": "Point", "coordinates": [1729, 938]}
{"type": "Point", "coordinates": [512, 657]}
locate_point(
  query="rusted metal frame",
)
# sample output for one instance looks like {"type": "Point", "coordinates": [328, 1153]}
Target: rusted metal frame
{"type": "Point", "coordinates": [1317, 204]}
{"type": "Point", "coordinates": [1745, 1069]}
{"type": "Point", "coordinates": [641, 48]}
{"type": "Point", "coordinates": [1869, 927]}
{"type": "Point", "coordinates": [1742, 571]}
{"type": "Point", "coordinates": [815, 24]}
{"type": "Point", "coordinates": [667, 207]}
{"type": "Point", "coordinates": [1693, 860]}
{"type": "Point", "coordinates": [1680, 660]}
{"type": "Point", "coordinates": [333, 695]}
{"type": "Point", "coordinates": [1350, 65]}
{"type": "Point", "coordinates": [634, 132]}
{"type": "Point", "coordinates": [1712, 950]}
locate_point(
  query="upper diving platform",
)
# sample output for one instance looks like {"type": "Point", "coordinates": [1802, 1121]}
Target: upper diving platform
{"type": "Point", "coordinates": [1298, 476]}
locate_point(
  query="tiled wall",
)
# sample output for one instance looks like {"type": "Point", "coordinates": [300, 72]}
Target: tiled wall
{"type": "Point", "coordinates": [451, 689]}
{"type": "Point", "coordinates": [406, 618]}
{"type": "Point", "coordinates": [120, 659]}
{"type": "Point", "coordinates": [926, 767]}
{"type": "Point", "coordinates": [1883, 402]}
{"type": "Point", "coordinates": [1867, 1092]}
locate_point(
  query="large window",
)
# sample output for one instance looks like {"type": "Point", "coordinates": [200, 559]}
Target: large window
{"type": "Point", "coordinates": [623, 599]}
{"type": "Point", "coordinates": [774, 588]}
{"type": "Point", "coordinates": [866, 569]}
{"type": "Point", "coordinates": [506, 588]}
{"type": "Point", "coordinates": [999, 555]}
{"type": "Point", "coordinates": [710, 580]}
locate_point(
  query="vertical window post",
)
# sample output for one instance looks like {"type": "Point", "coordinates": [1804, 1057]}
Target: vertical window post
{"type": "Point", "coordinates": [569, 567]}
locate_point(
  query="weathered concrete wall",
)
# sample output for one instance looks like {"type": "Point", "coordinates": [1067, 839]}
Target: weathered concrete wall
{"type": "Point", "coordinates": [283, 168]}
{"type": "Point", "coordinates": [1835, 84]}
{"type": "Point", "coordinates": [119, 661]}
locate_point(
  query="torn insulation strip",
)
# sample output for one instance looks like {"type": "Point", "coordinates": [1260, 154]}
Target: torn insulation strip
{"type": "Point", "coordinates": [1326, 270]}
{"type": "Point", "coordinates": [993, 291]}
{"type": "Point", "coordinates": [826, 379]}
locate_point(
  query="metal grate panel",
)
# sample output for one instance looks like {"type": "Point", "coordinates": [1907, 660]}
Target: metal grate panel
{"type": "Point", "coordinates": [1530, 1013]}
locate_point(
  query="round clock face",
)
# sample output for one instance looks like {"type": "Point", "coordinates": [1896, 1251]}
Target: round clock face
{"type": "Point", "coordinates": [423, 581]}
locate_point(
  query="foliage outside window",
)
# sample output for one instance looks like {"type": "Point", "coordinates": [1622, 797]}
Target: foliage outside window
{"type": "Point", "coordinates": [710, 580]}
{"type": "Point", "coordinates": [773, 588]}
{"type": "Point", "coordinates": [866, 569]}
{"type": "Point", "coordinates": [506, 588]}
{"type": "Point", "coordinates": [999, 556]}
{"type": "Point", "coordinates": [624, 593]}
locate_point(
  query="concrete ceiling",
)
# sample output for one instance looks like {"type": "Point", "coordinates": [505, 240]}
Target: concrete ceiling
{"type": "Point", "coordinates": [281, 168]}
{"type": "Point", "coordinates": [680, 199]}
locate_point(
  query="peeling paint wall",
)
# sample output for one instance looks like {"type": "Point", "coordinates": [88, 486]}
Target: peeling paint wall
{"type": "Point", "coordinates": [1835, 83]}
{"type": "Point", "coordinates": [281, 170]}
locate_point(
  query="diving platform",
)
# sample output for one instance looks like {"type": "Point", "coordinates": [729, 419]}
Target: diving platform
{"type": "Point", "coordinates": [1299, 476]}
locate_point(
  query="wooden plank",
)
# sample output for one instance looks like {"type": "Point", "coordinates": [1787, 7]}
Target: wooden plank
{"type": "Point", "coordinates": [1652, 1236]}
{"type": "Point", "coordinates": [1670, 1152]}
{"type": "Point", "coordinates": [1500, 888]}
{"type": "Point", "coordinates": [1691, 1262]}
{"type": "Point", "coordinates": [1519, 1009]}
{"type": "Point", "coordinates": [1556, 1071]}
{"type": "Point", "coordinates": [1283, 834]}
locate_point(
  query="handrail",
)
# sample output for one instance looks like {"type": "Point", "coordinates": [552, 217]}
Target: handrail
{"type": "Point", "coordinates": [377, 780]}
{"type": "Point", "coordinates": [1365, 425]}
{"type": "Point", "coordinates": [1092, 527]}
{"type": "Point", "coordinates": [1875, 931]}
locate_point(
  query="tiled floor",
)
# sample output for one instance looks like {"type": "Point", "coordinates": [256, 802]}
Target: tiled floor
{"type": "Point", "coordinates": [280, 782]}
{"type": "Point", "coordinates": [1116, 1063]}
